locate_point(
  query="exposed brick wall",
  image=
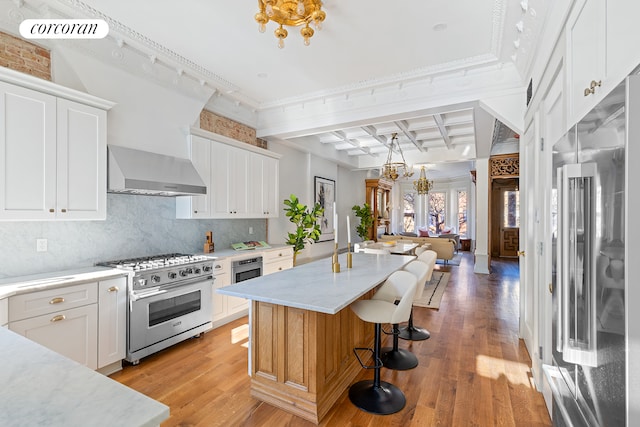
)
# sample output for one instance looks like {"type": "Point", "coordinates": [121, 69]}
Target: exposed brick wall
{"type": "Point", "coordinates": [230, 128]}
{"type": "Point", "coordinates": [23, 56]}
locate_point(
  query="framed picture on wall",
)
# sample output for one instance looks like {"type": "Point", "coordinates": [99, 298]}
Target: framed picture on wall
{"type": "Point", "coordinates": [325, 195]}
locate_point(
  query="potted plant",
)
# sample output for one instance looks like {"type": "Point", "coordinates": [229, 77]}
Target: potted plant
{"type": "Point", "coordinates": [366, 220]}
{"type": "Point", "coordinates": [306, 222]}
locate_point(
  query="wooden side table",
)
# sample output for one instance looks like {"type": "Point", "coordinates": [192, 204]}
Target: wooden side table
{"type": "Point", "coordinates": [465, 244]}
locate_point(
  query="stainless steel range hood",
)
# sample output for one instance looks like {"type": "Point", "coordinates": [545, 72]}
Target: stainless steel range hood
{"type": "Point", "coordinates": [141, 172]}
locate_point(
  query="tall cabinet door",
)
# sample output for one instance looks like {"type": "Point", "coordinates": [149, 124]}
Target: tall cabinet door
{"type": "Point", "coordinates": [201, 159]}
{"type": "Point", "coordinates": [270, 186]}
{"type": "Point", "coordinates": [239, 182]}
{"type": "Point", "coordinates": [81, 158]}
{"type": "Point", "coordinates": [220, 176]}
{"type": "Point", "coordinates": [27, 154]}
{"type": "Point", "coordinates": [112, 320]}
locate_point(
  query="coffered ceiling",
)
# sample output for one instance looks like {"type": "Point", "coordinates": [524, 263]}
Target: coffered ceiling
{"type": "Point", "coordinates": [432, 71]}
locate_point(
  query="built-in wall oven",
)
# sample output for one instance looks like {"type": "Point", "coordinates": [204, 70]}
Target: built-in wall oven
{"type": "Point", "coordinates": [246, 269]}
{"type": "Point", "coordinates": [170, 300]}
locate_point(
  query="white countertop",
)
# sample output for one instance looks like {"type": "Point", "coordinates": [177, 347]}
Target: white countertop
{"type": "Point", "coordinates": [41, 387]}
{"type": "Point", "coordinates": [248, 253]}
{"type": "Point", "coordinates": [35, 282]}
{"type": "Point", "coordinates": [315, 287]}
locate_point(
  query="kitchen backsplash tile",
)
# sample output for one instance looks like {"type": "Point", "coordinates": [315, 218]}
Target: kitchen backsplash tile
{"type": "Point", "coordinates": [135, 226]}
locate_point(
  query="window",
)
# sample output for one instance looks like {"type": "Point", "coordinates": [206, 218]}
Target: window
{"type": "Point", "coordinates": [511, 209]}
{"type": "Point", "coordinates": [462, 212]}
{"type": "Point", "coordinates": [409, 209]}
{"type": "Point", "coordinates": [437, 211]}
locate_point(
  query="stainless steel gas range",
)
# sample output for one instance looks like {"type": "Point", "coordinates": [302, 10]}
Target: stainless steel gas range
{"type": "Point", "coordinates": [169, 300]}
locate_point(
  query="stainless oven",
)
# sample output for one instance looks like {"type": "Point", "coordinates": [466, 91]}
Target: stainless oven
{"type": "Point", "coordinates": [170, 300]}
{"type": "Point", "coordinates": [246, 269]}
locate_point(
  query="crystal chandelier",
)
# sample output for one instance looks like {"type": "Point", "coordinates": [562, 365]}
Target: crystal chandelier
{"type": "Point", "coordinates": [292, 13]}
{"type": "Point", "coordinates": [422, 185]}
{"type": "Point", "coordinates": [392, 170]}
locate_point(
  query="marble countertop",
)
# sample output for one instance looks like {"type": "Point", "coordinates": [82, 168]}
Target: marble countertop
{"type": "Point", "coordinates": [313, 286]}
{"type": "Point", "coordinates": [232, 253]}
{"type": "Point", "coordinates": [36, 282]}
{"type": "Point", "coordinates": [41, 387]}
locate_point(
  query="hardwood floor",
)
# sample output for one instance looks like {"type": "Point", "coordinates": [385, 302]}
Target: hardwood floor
{"type": "Point", "coordinates": [473, 371]}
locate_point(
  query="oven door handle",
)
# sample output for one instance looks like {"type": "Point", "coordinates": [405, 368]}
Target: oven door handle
{"type": "Point", "coordinates": [133, 297]}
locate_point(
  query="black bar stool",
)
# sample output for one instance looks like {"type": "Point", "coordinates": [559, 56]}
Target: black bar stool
{"type": "Point", "coordinates": [376, 396]}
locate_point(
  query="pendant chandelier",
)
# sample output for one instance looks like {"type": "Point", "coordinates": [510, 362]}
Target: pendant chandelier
{"type": "Point", "coordinates": [422, 185]}
{"type": "Point", "coordinates": [292, 13]}
{"type": "Point", "coordinates": [393, 170]}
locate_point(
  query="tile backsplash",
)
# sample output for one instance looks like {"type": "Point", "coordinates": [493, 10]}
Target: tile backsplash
{"type": "Point", "coordinates": [135, 226]}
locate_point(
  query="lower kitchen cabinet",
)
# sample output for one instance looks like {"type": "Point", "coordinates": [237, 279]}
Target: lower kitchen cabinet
{"type": "Point", "coordinates": [71, 333]}
{"type": "Point", "coordinates": [85, 322]}
{"type": "Point", "coordinates": [112, 322]}
{"type": "Point", "coordinates": [277, 260]}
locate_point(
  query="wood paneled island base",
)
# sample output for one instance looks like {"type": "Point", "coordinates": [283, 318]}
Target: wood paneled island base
{"type": "Point", "coordinates": [302, 331]}
{"type": "Point", "coordinates": [303, 360]}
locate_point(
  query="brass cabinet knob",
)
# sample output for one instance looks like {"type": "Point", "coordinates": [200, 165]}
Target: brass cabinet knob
{"type": "Point", "coordinates": [520, 253]}
{"type": "Point", "coordinates": [592, 87]}
{"type": "Point", "coordinates": [58, 318]}
{"type": "Point", "coordinates": [113, 289]}
{"type": "Point", "coordinates": [56, 300]}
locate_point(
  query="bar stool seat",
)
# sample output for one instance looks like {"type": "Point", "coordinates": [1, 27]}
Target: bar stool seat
{"type": "Point", "coordinates": [428, 259]}
{"type": "Point", "coordinates": [395, 357]}
{"type": "Point", "coordinates": [375, 396]}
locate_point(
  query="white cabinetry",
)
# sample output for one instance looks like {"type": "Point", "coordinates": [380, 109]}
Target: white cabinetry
{"type": "Point", "coordinates": [53, 154]}
{"type": "Point", "coordinates": [276, 260]}
{"type": "Point", "coordinates": [225, 308]}
{"type": "Point", "coordinates": [112, 321]}
{"type": "Point", "coordinates": [222, 276]}
{"type": "Point", "coordinates": [242, 180]}
{"type": "Point", "coordinates": [598, 58]}
{"type": "Point", "coordinates": [63, 319]}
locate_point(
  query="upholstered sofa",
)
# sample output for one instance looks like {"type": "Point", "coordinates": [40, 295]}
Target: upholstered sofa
{"type": "Point", "coordinates": [444, 247]}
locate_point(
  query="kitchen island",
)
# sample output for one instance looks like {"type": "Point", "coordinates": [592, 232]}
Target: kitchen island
{"type": "Point", "coordinates": [302, 332]}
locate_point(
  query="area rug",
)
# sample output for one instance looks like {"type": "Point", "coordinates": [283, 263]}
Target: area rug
{"type": "Point", "coordinates": [453, 261]}
{"type": "Point", "coordinates": [433, 291]}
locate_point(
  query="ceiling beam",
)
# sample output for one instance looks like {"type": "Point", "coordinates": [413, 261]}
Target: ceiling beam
{"type": "Point", "coordinates": [372, 132]}
{"type": "Point", "coordinates": [354, 143]}
{"type": "Point", "coordinates": [404, 127]}
{"type": "Point", "coordinates": [443, 130]}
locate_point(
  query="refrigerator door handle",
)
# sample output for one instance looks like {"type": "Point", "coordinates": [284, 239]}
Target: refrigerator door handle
{"type": "Point", "coordinates": [578, 298]}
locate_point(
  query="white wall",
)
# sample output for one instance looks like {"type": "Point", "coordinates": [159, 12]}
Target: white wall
{"type": "Point", "coordinates": [297, 172]}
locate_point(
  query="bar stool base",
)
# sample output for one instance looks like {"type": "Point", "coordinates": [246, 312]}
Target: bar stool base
{"type": "Point", "coordinates": [399, 360]}
{"type": "Point", "coordinates": [414, 334]}
{"type": "Point", "coordinates": [382, 400]}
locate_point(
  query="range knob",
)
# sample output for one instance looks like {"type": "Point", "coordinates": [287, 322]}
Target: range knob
{"type": "Point", "coordinates": [142, 282]}
{"type": "Point", "coordinates": [183, 273]}
{"type": "Point", "coordinates": [197, 270]}
{"type": "Point", "coordinates": [207, 268]}
{"type": "Point", "coordinates": [155, 278]}
{"type": "Point", "coordinates": [172, 275]}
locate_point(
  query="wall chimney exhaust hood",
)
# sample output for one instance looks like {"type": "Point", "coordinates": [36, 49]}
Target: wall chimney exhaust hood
{"type": "Point", "coordinates": [141, 172]}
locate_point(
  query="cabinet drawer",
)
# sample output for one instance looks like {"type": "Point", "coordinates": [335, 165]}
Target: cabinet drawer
{"type": "Point", "coordinates": [51, 300]}
{"type": "Point", "coordinates": [221, 266]}
{"type": "Point", "coordinates": [274, 267]}
{"type": "Point", "coordinates": [276, 255]}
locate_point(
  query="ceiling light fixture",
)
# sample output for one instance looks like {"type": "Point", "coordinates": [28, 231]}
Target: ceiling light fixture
{"type": "Point", "coordinates": [392, 170]}
{"type": "Point", "coordinates": [422, 185]}
{"type": "Point", "coordinates": [291, 13]}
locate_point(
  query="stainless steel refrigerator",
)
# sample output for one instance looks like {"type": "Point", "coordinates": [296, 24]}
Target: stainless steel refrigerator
{"type": "Point", "coordinates": [589, 375]}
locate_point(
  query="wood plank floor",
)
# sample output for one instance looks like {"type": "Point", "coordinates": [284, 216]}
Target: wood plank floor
{"type": "Point", "coordinates": [473, 371]}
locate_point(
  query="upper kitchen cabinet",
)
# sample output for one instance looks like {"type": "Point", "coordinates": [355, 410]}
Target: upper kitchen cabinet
{"type": "Point", "coordinates": [52, 151]}
{"type": "Point", "coordinates": [598, 33]}
{"type": "Point", "coordinates": [242, 180]}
